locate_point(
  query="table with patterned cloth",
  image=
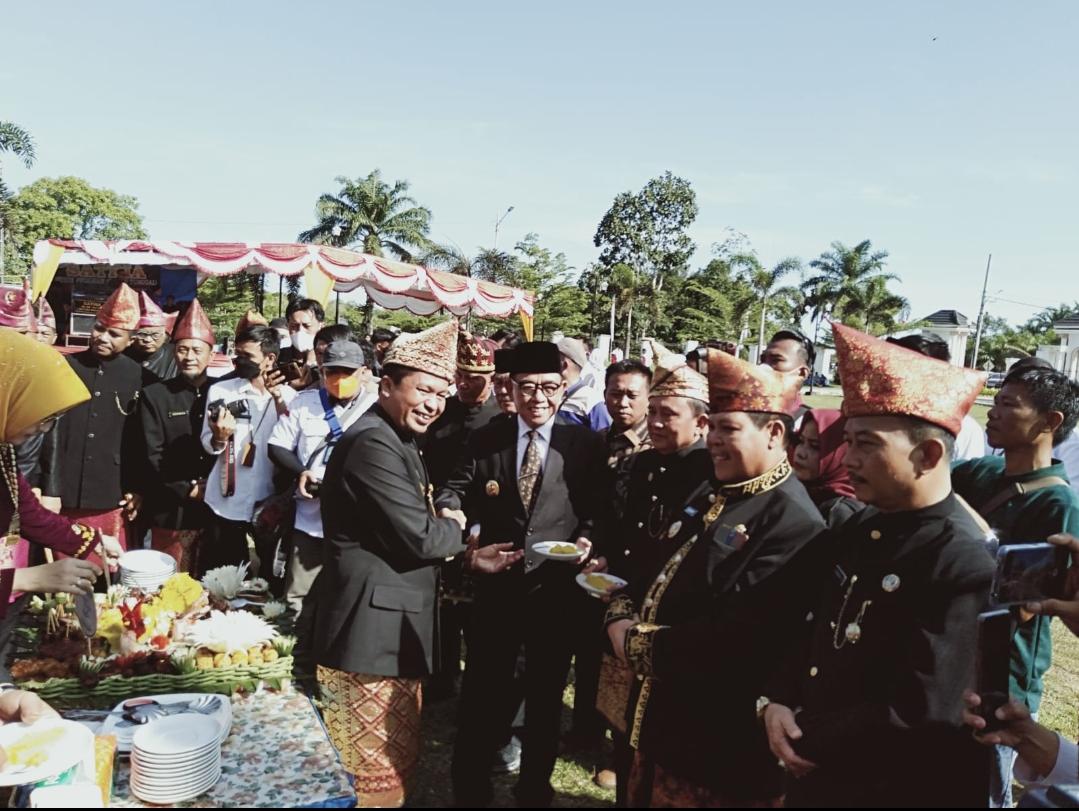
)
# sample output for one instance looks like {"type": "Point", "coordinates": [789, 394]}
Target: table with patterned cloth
{"type": "Point", "coordinates": [276, 756]}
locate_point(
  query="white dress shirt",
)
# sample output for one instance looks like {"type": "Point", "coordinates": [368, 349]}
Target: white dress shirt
{"type": "Point", "coordinates": [304, 430]}
{"type": "Point", "coordinates": [543, 437]}
{"type": "Point", "coordinates": [252, 483]}
{"type": "Point", "coordinates": [1065, 770]}
{"type": "Point", "coordinates": [970, 444]}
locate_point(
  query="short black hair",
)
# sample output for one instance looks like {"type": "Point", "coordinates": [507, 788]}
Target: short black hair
{"type": "Point", "coordinates": [1024, 364]}
{"type": "Point", "coordinates": [762, 418]}
{"type": "Point", "coordinates": [928, 344]}
{"type": "Point", "coordinates": [1051, 390]}
{"type": "Point", "coordinates": [308, 304]}
{"type": "Point", "coordinates": [919, 430]}
{"type": "Point", "coordinates": [265, 336]}
{"type": "Point", "coordinates": [510, 341]}
{"type": "Point", "coordinates": [380, 334]}
{"type": "Point", "coordinates": [334, 332]}
{"type": "Point", "coordinates": [502, 334]}
{"type": "Point", "coordinates": [627, 367]}
{"type": "Point", "coordinates": [368, 353]}
{"type": "Point", "coordinates": [279, 323]}
{"type": "Point", "coordinates": [806, 351]}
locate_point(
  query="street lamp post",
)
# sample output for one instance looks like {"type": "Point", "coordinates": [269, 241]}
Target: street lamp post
{"type": "Point", "coordinates": [498, 222]}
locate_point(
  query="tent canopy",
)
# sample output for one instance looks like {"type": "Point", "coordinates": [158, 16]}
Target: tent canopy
{"type": "Point", "coordinates": [390, 284]}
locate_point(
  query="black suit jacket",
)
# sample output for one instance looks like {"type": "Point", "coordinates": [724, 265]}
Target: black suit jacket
{"type": "Point", "coordinates": [375, 599]}
{"type": "Point", "coordinates": [171, 416]}
{"type": "Point", "coordinates": [484, 485]}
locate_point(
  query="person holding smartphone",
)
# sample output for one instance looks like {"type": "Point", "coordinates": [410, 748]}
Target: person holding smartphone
{"type": "Point", "coordinates": [1025, 496]}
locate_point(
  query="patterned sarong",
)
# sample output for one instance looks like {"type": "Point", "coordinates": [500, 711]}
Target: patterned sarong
{"type": "Point", "coordinates": [182, 545]}
{"type": "Point", "coordinates": [374, 721]}
{"type": "Point", "coordinates": [110, 522]}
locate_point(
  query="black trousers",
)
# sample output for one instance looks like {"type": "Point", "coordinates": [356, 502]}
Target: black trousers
{"type": "Point", "coordinates": [515, 612]}
{"type": "Point", "coordinates": [224, 543]}
{"type": "Point", "coordinates": [587, 654]}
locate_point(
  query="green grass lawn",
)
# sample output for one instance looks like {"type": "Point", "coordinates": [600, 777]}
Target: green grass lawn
{"type": "Point", "coordinates": [573, 775]}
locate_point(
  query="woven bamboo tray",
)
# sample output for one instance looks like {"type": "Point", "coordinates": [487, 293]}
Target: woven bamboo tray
{"type": "Point", "coordinates": [69, 693]}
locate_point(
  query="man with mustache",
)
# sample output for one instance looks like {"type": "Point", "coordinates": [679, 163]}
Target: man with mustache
{"type": "Point", "coordinates": [868, 710]}
{"type": "Point", "coordinates": [374, 604]}
{"type": "Point", "coordinates": [177, 464]}
{"type": "Point", "coordinates": [95, 460]}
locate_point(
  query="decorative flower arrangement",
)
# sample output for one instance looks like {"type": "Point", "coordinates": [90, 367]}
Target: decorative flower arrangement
{"type": "Point", "coordinates": [225, 582]}
{"type": "Point", "coordinates": [274, 609]}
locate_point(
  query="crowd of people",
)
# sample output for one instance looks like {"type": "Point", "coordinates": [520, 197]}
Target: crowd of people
{"type": "Point", "coordinates": [799, 619]}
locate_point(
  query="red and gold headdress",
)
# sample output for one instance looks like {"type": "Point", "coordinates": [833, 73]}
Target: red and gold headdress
{"type": "Point", "coordinates": [735, 385]}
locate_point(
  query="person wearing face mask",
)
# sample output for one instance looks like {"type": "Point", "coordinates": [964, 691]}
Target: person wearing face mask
{"type": "Point", "coordinates": [37, 386]}
{"type": "Point", "coordinates": [241, 413]}
{"type": "Point", "coordinates": [301, 444]}
{"type": "Point", "coordinates": [305, 317]}
{"type": "Point", "coordinates": [95, 459]}
{"type": "Point", "coordinates": [172, 415]}
{"type": "Point", "coordinates": [150, 346]}
{"type": "Point", "coordinates": [373, 606]}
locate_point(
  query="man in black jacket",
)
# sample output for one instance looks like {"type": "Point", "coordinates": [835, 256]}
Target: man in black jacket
{"type": "Point", "coordinates": [375, 600]}
{"type": "Point", "coordinates": [868, 712]}
{"type": "Point", "coordinates": [522, 482]}
{"type": "Point", "coordinates": [177, 464]}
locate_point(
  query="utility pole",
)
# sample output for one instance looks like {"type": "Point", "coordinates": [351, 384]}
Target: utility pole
{"type": "Point", "coordinates": [981, 316]}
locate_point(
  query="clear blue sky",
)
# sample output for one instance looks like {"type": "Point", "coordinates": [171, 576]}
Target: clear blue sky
{"type": "Point", "coordinates": [797, 123]}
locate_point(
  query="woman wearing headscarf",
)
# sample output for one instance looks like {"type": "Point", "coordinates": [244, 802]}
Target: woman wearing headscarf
{"type": "Point", "coordinates": [818, 464]}
{"type": "Point", "coordinates": [36, 386]}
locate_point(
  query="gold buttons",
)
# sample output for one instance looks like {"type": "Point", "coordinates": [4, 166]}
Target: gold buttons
{"type": "Point", "coordinates": [813, 672]}
{"type": "Point", "coordinates": [875, 535]}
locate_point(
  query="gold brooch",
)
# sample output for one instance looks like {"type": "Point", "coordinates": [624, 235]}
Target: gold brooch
{"type": "Point", "coordinates": [492, 488]}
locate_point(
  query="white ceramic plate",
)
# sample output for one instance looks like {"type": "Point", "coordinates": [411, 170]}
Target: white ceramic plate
{"type": "Point", "coordinates": [124, 734]}
{"type": "Point", "coordinates": [147, 562]}
{"type": "Point", "coordinates": [177, 735]}
{"type": "Point", "coordinates": [164, 780]}
{"type": "Point", "coordinates": [615, 583]}
{"type": "Point", "coordinates": [68, 749]}
{"type": "Point", "coordinates": [543, 549]}
{"type": "Point", "coordinates": [170, 797]}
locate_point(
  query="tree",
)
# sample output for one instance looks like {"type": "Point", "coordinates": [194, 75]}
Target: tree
{"type": "Point", "coordinates": [69, 207]}
{"type": "Point", "coordinates": [373, 216]}
{"type": "Point", "coordinates": [842, 274]}
{"type": "Point", "coordinates": [646, 231]}
{"type": "Point", "coordinates": [764, 282]}
{"type": "Point", "coordinates": [17, 141]}
{"type": "Point", "coordinates": [489, 264]}
{"type": "Point", "coordinates": [879, 311]}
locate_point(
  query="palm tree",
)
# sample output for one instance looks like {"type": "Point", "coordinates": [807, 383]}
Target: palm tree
{"type": "Point", "coordinates": [373, 216]}
{"type": "Point", "coordinates": [17, 141]}
{"type": "Point", "coordinates": [489, 264]}
{"type": "Point", "coordinates": [878, 308]}
{"type": "Point", "coordinates": [842, 273]}
{"type": "Point", "coordinates": [764, 283]}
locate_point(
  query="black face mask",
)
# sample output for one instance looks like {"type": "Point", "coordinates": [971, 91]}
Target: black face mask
{"type": "Point", "coordinates": [246, 368]}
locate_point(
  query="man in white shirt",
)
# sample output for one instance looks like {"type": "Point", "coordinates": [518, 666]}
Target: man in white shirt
{"type": "Point", "coordinates": [240, 417]}
{"type": "Point", "coordinates": [583, 402]}
{"type": "Point", "coordinates": [301, 444]}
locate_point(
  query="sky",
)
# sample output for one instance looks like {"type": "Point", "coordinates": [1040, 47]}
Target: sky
{"type": "Point", "coordinates": [943, 132]}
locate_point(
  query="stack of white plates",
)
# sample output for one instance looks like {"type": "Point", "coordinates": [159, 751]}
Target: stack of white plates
{"type": "Point", "coordinates": [146, 569]}
{"type": "Point", "coordinates": [175, 759]}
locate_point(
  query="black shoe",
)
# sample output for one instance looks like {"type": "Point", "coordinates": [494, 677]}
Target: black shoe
{"type": "Point", "coordinates": [508, 758]}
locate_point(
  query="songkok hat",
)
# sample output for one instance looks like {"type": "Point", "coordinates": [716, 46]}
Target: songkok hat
{"type": "Point", "coordinates": [433, 351]}
{"type": "Point", "coordinates": [194, 325]}
{"type": "Point", "coordinates": [15, 309]}
{"type": "Point", "coordinates": [150, 315]}
{"type": "Point", "coordinates": [252, 318]}
{"type": "Point", "coordinates": [534, 357]}
{"type": "Point", "coordinates": [475, 354]}
{"type": "Point", "coordinates": [503, 361]}
{"type": "Point", "coordinates": [735, 385]}
{"type": "Point", "coordinates": [574, 350]}
{"type": "Point", "coordinates": [121, 309]}
{"type": "Point", "coordinates": [672, 377]}
{"type": "Point", "coordinates": [881, 379]}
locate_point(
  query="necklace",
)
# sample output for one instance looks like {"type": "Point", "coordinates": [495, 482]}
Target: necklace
{"type": "Point", "coordinates": [853, 631]}
{"type": "Point", "coordinates": [11, 478]}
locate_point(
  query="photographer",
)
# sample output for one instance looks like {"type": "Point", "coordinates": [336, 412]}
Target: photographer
{"type": "Point", "coordinates": [1044, 757]}
{"type": "Point", "coordinates": [305, 318]}
{"type": "Point", "coordinates": [240, 418]}
{"type": "Point", "coordinates": [301, 444]}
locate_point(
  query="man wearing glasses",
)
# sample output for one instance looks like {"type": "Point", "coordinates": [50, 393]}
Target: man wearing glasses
{"type": "Point", "coordinates": [150, 346]}
{"type": "Point", "coordinates": [524, 481]}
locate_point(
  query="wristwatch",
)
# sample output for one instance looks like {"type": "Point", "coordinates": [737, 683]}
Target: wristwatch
{"type": "Point", "coordinates": [762, 705]}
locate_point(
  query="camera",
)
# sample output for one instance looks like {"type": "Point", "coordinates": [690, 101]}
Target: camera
{"type": "Point", "coordinates": [238, 408]}
{"type": "Point", "coordinates": [313, 488]}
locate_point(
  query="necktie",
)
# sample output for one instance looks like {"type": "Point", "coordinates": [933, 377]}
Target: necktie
{"type": "Point", "coordinates": [530, 470]}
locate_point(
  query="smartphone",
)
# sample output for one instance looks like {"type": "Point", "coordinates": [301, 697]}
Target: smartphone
{"type": "Point", "coordinates": [1029, 572]}
{"type": "Point", "coordinates": [992, 663]}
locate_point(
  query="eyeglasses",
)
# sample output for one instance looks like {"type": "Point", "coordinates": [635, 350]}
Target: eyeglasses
{"type": "Point", "coordinates": [549, 390]}
{"type": "Point", "coordinates": [146, 336]}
